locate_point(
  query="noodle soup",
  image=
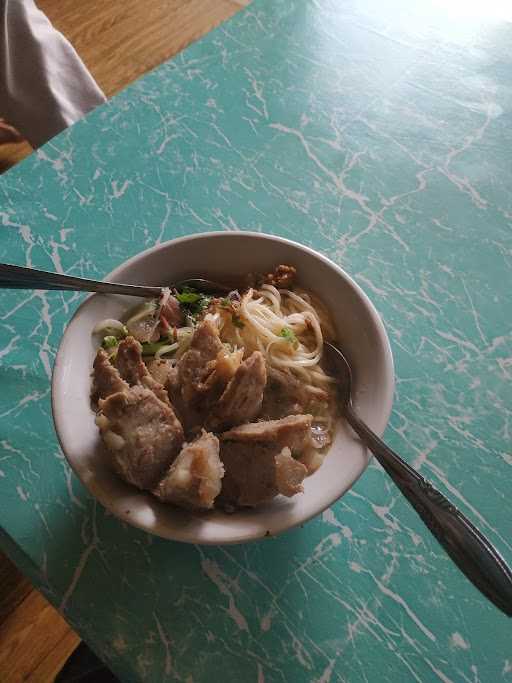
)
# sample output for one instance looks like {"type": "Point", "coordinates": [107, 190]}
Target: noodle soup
{"type": "Point", "coordinates": [217, 401]}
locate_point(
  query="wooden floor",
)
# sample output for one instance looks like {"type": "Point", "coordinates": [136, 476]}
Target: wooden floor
{"type": "Point", "coordinates": [118, 40]}
{"type": "Point", "coordinates": [35, 641]}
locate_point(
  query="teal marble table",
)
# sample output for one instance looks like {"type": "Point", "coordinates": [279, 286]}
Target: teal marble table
{"type": "Point", "coordinates": [380, 133]}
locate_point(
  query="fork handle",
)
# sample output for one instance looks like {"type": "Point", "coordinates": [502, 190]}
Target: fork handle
{"type": "Point", "coordinates": [471, 551]}
{"type": "Point", "coordinates": [19, 277]}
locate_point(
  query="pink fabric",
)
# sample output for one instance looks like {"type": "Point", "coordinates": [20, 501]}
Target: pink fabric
{"type": "Point", "coordinates": [44, 85]}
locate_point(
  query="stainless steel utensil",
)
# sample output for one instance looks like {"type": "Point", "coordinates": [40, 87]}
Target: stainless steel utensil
{"type": "Point", "coordinates": [19, 277]}
{"type": "Point", "coordinates": [471, 551]}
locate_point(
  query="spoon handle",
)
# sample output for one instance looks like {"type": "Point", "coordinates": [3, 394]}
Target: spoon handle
{"type": "Point", "coordinates": [474, 554]}
{"type": "Point", "coordinates": [19, 277]}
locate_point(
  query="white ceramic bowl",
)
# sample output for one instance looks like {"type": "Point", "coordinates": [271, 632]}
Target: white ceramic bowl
{"type": "Point", "coordinates": [360, 333]}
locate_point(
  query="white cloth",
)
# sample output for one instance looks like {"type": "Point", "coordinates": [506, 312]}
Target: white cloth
{"type": "Point", "coordinates": [44, 85]}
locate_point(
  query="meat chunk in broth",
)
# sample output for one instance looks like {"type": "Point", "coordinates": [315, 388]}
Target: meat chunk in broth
{"type": "Point", "coordinates": [293, 431]}
{"type": "Point", "coordinates": [164, 372]}
{"type": "Point", "coordinates": [133, 369]}
{"type": "Point", "coordinates": [202, 375]}
{"type": "Point", "coordinates": [142, 435]}
{"type": "Point", "coordinates": [194, 366]}
{"type": "Point", "coordinates": [256, 473]}
{"type": "Point", "coordinates": [258, 460]}
{"type": "Point", "coordinates": [250, 474]}
{"type": "Point", "coordinates": [242, 398]}
{"type": "Point", "coordinates": [289, 473]}
{"type": "Point", "coordinates": [106, 379]}
{"type": "Point", "coordinates": [129, 361]}
{"type": "Point", "coordinates": [195, 477]}
{"type": "Point", "coordinates": [286, 395]}
{"type": "Point", "coordinates": [221, 370]}
{"type": "Point", "coordinates": [170, 313]}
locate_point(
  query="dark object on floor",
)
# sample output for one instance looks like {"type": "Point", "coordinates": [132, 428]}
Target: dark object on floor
{"type": "Point", "coordinates": [84, 667]}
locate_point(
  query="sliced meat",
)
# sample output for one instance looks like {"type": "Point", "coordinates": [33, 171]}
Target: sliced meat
{"type": "Point", "coordinates": [250, 473]}
{"type": "Point", "coordinates": [170, 312]}
{"type": "Point", "coordinates": [142, 435]}
{"type": "Point", "coordinates": [293, 431]}
{"type": "Point", "coordinates": [256, 473]}
{"type": "Point", "coordinates": [258, 462]}
{"type": "Point", "coordinates": [129, 361]}
{"type": "Point", "coordinates": [289, 474]}
{"type": "Point", "coordinates": [193, 366]}
{"type": "Point", "coordinates": [286, 395]}
{"type": "Point", "coordinates": [133, 369]}
{"type": "Point", "coordinates": [242, 398]}
{"type": "Point", "coordinates": [311, 458]}
{"type": "Point", "coordinates": [191, 417]}
{"type": "Point", "coordinates": [144, 323]}
{"type": "Point", "coordinates": [154, 319]}
{"type": "Point", "coordinates": [192, 369]}
{"type": "Point", "coordinates": [164, 372]}
{"type": "Point", "coordinates": [194, 479]}
{"type": "Point", "coordinates": [106, 379]}
{"type": "Point", "coordinates": [221, 370]}
{"type": "Point", "coordinates": [206, 340]}
{"type": "Point", "coordinates": [203, 373]}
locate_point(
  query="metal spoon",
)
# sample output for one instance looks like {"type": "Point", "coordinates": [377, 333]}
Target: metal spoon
{"type": "Point", "coordinates": [471, 551]}
{"type": "Point", "coordinates": [19, 277]}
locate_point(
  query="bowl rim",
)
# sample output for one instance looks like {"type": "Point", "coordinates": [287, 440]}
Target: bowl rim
{"type": "Point", "coordinates": [388, 369]}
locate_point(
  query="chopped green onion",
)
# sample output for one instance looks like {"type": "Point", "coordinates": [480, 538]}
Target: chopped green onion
{"type": "Point", "coordinates": [289, 335]}
{"type": "Point", "coordinates": [237, 321]}
{"type": "Point", "coordinates": [151, 348]}
{"type": "Point", "coordinates": [188, 297]}
{"type": "Point", "coordinates": [109, 341]}
{"type": "Point", "coordinates": [166, 348]}
{"type": "Point", "coordinates": [225, 303]}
